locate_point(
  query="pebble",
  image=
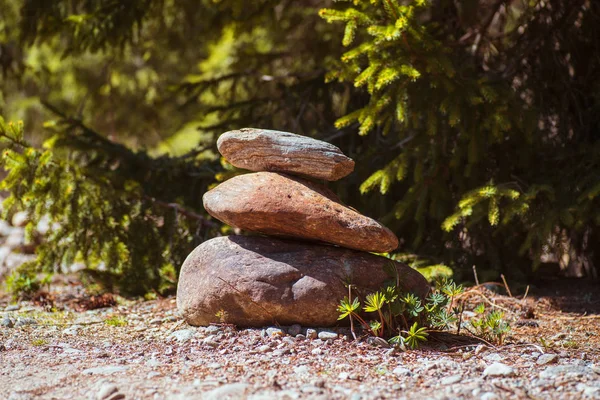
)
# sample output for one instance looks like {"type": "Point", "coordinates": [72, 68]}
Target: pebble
{"type": "Point", "coordinates": [228, 391]}
{"type": "Point", "coordinates": [301, 370]}
{"type": "Point", "coordinates": [281, 352]}
{"type": "Point", "coordinates": [317, 351]}
{"type": "Point", "coordinates": [489, 396]}
{"type": "Point", "coordinates": [106, 391]}
{"type": "Point", "coordinates": [498, 369]}
{"type": "Point", "coordinates": [326, 335]}
{"type": "Point", "coordinates": [275, 332]}
{"type": "Point", "coordinates": [378, 342]}
{"type": "Point", "coordinates": [183, 335]}
{"type": "Point", "coordinates": [212, 329]}
{"type": "Point", "coordinates": [72, 330]}
{"type": "Point", "coordinates": [25, 321]}
{"type": "Point", "coordinates": [264, 348]}
{"type": "Point", "coordinates": [449, 380]}
{"type": "Point", "coordinates": [105, 370]}
{"type": "Point", "coordinates": [294, 330]}
{"type": "Point", "coordinates": [401, 371]}
{"type": "Point", "coordinates": [311, 333]}
{"type": "Point", "coordinates": [211, 341]}
{"type": "Point", "coordinates": [12, 307]}
{"type": "Point", "coordinates": [564, 370]}
{"type": "Point", "coordinates": [7, 322]}
{"type": "Point", "coordinates": [547, 359]}
{"type": "Point", "coordinates": [493, 357]}
{"type": "Point", "coordinates": [20, 219]}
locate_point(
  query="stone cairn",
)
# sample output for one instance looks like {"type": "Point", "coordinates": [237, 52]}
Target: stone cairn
{"type": "Point", "coordinates": [314, 248]}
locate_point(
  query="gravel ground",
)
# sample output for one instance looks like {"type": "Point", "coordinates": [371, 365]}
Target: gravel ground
{"type": "Point", "coordinates": [155, 355]}
{"type": "Point", "coordinates": [144, 350]}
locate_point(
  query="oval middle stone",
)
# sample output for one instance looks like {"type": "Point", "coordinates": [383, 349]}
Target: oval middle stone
{"type": "Point", "coordinates": [278, 204]}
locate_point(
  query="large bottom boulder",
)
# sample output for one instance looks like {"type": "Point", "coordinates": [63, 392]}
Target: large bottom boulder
{"type": "Point", "coordinates": [258, 281]}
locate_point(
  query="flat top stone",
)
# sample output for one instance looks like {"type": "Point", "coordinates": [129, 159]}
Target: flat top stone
{"type": "Point", "coordinates": [268, 150]}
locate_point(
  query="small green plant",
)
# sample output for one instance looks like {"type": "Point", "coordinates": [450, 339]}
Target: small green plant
{"type": "Point", "coordinates": [491, 325]}
{"type": "Point", "coordinates": [39, 342]}
{"type": "Point", "coordinates": [402, 317]}
{"type": "Point", "coordinates": [222, 315]}
{"type": "Point", "coordinates": [24, 282]}
{"type": "Point", "coordinates": [116, 320]}
{"type": "Point", "coordinates": [571, 344]}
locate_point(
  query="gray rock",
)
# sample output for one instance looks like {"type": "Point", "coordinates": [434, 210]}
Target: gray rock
{"type": "Point", "coordinates": [72, 330]}
{"type": "Point", "coordinates": [401, 371]}
{"type": "Point", "coordinates": [259, 280]}
{"type": "Point", "coordinates": [264, 348]}
{"type": "Point", "coordinates": [24, 321]}
{"type": "Point", "coordinates": [326, 335]}
{"type": "Point", "coordinates": [566, 370]}
{"type": "Point", "coordinates": [183, 335]}
{"type": "Point", "coordinates": [493, 357]}
{"type": "Point", "coordinates": [267, 150]}
{"type": "Point", "coordinates": [212, 329]}
{"type": "Point", "coordinates": [12, 307]}
{"type": "Point", "coordinates": [105, 370]}
{"type": "Point", "coordinates": [211, 341]}
{"type": "Point", "coordinates": [7, 322]}
{"type": "Point", "coordinates": [378, 342]}
{"type": "Point", "coordinates": [311, 334]}
{"type": "Point", "coordinates": [229, 391]}
{"type": "Point", "coordinates": [489, 396]}
{"type": "Point", "coordinates": [302, 370]}
{"type": "Point", "coordinates": [281, 205]}
{"type": "Point", "coordinates": [547, 359]}
{"type": "Point", "coordinates": [294, 330]}
{"type": "Point", "coordinates": [449, 380]}
{"type": "Point", "coordinates": [499, 369]}
{"type": "Point", "coordinates": [281, 352]}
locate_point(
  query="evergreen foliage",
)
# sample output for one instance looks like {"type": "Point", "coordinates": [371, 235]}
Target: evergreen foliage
{"type": "Point", "coordinates": [474, 124]}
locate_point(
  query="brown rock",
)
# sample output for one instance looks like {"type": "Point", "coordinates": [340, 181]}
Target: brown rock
{"type": "Point", "coordinates": [278, 204]}
{"type": "Point", "coordinates": [266, 150]}
{"type": "Point", "coordinates": [258, 281]}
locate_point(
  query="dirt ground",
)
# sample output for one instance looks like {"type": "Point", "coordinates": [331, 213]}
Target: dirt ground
{"type": "Point", "coordinates": [53, 348]}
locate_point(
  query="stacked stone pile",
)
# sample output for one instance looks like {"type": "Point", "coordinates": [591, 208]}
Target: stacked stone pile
{"type": "Point", "coordinates": [316, 245]}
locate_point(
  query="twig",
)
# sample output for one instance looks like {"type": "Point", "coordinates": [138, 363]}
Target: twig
{"type": "Point", "coordinates": [251, 301]}
{"type": "Point", "coordinates": [184, 211]}
{"type": "Point", "coordinates": [506, 285]}
{"type": "Point", "coordinates": [462, 308]}
{"type": "Point", "coordinates": [538, 348]}
{"type": "Point", "coordinates": [486, 25]}
{"type": "Point", "coordinates": [475, 274]}
{"type": "Point", "coordinates": [350, 315]}
{"type": "Point", "coordinates": [491, 303]}
{"type": "Point", "coordinates": [526, 292]}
